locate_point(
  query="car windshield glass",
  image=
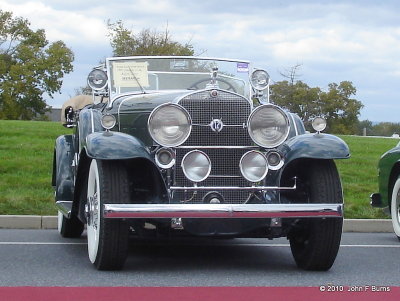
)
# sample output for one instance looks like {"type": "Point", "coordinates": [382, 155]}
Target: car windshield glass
{"type": "Point", "coordinates": [145, 74]}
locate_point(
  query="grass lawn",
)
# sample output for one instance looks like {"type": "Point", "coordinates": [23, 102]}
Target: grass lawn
{"type": "Point", "coordinates": [26, 162]}
{"type": "Point", "coordinates": [360, 174]}
{"type": "Point", "coordinates": [26, 155]}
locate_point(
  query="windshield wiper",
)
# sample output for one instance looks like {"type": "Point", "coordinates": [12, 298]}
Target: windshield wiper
{"type": "Point", "coordinates": [137, 81]}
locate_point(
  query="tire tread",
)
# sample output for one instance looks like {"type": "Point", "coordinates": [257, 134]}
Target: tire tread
{"type": "Point", "coordinates": [324, 234]}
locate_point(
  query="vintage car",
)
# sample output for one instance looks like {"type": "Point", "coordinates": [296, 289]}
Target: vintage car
{"type": "Point", "coordinates": [192, 146]}
{"type": "Point", "coordinates": [388, 196]}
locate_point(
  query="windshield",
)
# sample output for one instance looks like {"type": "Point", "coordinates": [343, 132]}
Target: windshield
{"type": "Point", "coordinates": [145, 74]}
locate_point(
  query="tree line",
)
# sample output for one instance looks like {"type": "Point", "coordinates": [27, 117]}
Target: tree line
{"type": "Point", "coordinates": [31, 68]}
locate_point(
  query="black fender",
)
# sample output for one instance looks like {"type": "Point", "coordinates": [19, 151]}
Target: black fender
{"type": "Point", "coordinates": [115, 146]}
{"type": "Point", "coordinates": [63, 175]}
{"type": "Point", "coordinates": [316, 146]}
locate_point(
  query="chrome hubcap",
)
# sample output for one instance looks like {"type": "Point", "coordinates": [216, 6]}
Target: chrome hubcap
{"type": "Point", "coordinates": [91, 210]}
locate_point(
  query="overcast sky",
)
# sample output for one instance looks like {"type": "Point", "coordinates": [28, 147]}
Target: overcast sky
{"type": "Point", "coordinates": [334, 41]}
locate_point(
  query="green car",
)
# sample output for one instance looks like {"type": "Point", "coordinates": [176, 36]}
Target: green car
{"type": "Point", "coordinates": [189, 146]}
{"type": "Point", "coordinates": [389, 186]}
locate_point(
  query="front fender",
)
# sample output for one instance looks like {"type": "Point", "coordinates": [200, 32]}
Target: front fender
{"type": "Point", "coordinates": [316, 146]}
{"type": "Point", "coordinates": [115, 146]}
{"type": "Point", "coordinates": [63, 173]}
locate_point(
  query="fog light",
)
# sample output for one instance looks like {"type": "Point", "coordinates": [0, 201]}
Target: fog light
{"type": "Point", "coordinates": [165, 158]}
{"type": "Point", "coordinates": [319, 124]}
{"type": "Point", "coordinates": [275, 160]}
{"type": "Point", "coordinates": [196, 166]}
{"type": "Point", "coordinates": [254, 166]}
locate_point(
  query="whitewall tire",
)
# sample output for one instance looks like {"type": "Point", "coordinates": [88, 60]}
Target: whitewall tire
{"type": "Point", "coordinates": [395, 208]}
{"type": "Point", "coordinates": [93, 211]}
{"type": "Point", "coordinates": [107, 238]}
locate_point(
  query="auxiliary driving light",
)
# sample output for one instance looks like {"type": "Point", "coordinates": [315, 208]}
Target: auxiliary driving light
{"type": "Point", "coordinates": [108, 121]}
{"type": "Point", "coordinates": [275, 160]}
{"type": "Point", "coordinates": [196, 166]}
{"type": "Point", "coordinates": [165, 158]}
{"type": "Point", "coordinates": [254, 166]}
{"type": "Point", "coordinates": [319, 124]}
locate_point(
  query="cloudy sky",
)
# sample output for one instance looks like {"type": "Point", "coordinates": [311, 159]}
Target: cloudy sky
{"type": "Point", "coordinates": [356, 40]}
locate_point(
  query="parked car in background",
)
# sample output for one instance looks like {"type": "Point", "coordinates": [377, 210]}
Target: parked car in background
{"type": "Point", "coordinates": [192, 146]}
{"type": "Point", "coordinates": [389, 186]}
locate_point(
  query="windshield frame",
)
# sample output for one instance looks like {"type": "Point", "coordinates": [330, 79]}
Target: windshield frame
{"type": "Point", "coordinates": [115, 95]}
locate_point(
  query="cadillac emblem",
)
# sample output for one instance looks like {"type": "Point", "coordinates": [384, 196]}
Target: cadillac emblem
{"type": "Point", "coordinates": [217, 125]}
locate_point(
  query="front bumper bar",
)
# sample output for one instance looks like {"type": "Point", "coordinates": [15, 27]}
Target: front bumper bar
{"type": "Point", "coordinates": [222, 210]}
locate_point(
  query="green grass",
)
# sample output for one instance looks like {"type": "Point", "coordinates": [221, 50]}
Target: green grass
{"type": "Point", "coordinates": [26, 155]}
{"type": "Point", "coordinates": [359, 174]}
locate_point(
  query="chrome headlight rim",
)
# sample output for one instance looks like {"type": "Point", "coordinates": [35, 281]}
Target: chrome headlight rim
{"type": "Point", "coordinates": [160, 163]}
{"type": "Point", "coordinates": [254, 79]}
{"type": "Point", "coordinates": [155, 111]}
{"type": "Point", "coordinates": [282, 139]}
{"type": "Point", "coordinates": [94, 75]}
{"type": "Point", "coordinates": [319, 124]}
{"type": "Point", "coordinates": [281, 160]}
{"type": "Point", "coordinates": [108, 121]}
{"type": "Point", "coordinates": [242, 169]}
{"type": "Point", "coordinates": [185, 172]}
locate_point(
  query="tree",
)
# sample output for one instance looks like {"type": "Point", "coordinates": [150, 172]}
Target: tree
{"type": "Point", "coordinates": [336, 105]}
{"type": "Point", "coordinates": [298, 98]}
{"type": "Point", "coordinates": [147, 42]}
{"type": "Point", "coordinates": [365, 127]}
{"type": "Point", "coordinates": [29, 68]}
{"type": "Point", "coordinates": [340, 110]}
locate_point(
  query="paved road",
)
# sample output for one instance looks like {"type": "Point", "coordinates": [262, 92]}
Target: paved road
{"type": "Point", "coordinates": [43, 258]}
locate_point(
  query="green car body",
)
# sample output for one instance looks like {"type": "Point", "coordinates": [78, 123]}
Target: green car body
{"type": "Point", "coordinates": [388, 172]}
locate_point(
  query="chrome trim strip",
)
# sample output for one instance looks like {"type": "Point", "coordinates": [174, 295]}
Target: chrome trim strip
{"type": "Point", "coordinates": [176, 58]}
{"type": "Point", "coordinates": [65, 207]}
{"type": "Point", "coordinates": [218, 147]}
{"type": "Point", "coordinates": [252, 188]}
{"type": "Point", "coordinates": [92, 120]}
{"type": "Point", "coordinates": [248, 99]}
{"type": "Point", "coordinates": [225, 125]}
{"type": "Point", "coordinates": [294, 124]}
{"type": "Point", "coordinates": [222, 210]}
{"type": "Point", "coordinates": [223, 176]}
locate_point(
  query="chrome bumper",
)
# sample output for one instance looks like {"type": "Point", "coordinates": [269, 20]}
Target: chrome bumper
{"type": "Point", "coordinates": [222, 210]}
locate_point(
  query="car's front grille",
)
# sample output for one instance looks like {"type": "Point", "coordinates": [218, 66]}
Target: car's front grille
{"type": "Point", "coordinates": [225, 171]}
{"type": "Point", "coordinates": [233, 110]}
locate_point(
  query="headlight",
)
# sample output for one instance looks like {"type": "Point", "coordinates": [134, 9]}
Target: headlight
{"type": "Point", "coordinates": [196, 166]}
{"type": "Point", "coordinates": [259, 79]}
{"type": "Point", "coordinates": [169, 125]}
{"type": "Point", "coordinates": [319, 124]}
{"type": "Point", "coordinates": [97, 79]}
{"type": "Point", "coordinates": [108, 121]}
{"type": "Point", "coordinates": [254, 166]}
{"type": "Point", "coordinates": [268, 126]}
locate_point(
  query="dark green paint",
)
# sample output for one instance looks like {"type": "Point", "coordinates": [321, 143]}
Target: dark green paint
{"type": "Point", "coordinates": [115, 146]}
{"type": "Point", "coordinates": [387, 173]}
{"type": "Point", "coordinates": [64, 155]}
{"type": "Point", "coordinates": [316, 146]}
